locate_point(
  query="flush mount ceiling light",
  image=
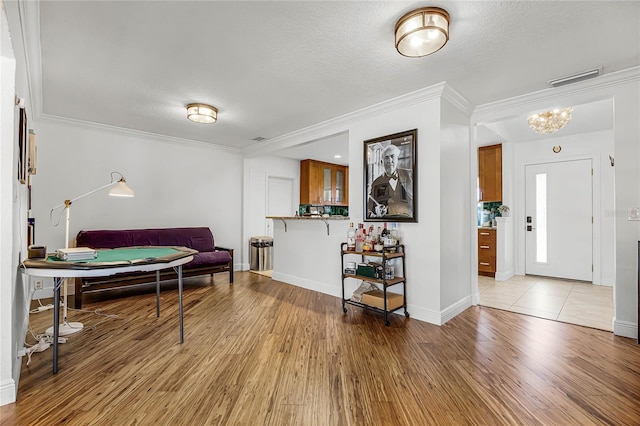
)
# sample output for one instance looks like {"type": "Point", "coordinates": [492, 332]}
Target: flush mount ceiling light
{"type": "Point", "coordinates": [550, 121]}
{"type": "Point", "coordinates": [202, 113]}
{"type": "Point", "coordinates": [422, 32]}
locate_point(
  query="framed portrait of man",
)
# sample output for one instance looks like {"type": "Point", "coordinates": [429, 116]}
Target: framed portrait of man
{"type": "Point", "coordinates": [390, 178]}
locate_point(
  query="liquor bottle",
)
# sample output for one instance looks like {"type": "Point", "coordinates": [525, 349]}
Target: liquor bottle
{"type": "Point", "coordinates": [359, 237]}
{"type": "Point", "coordinates": [386, 238]}
{"type": "Point", "coordinates": [351, 238]}
{"type": "Point", "coordinates": [394, 234]}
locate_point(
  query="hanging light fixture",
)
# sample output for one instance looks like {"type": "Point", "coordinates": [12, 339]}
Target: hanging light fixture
{"type": "Point", "coordinates": [202, 113]}
{"type": "Point", "coordinates": [422, 32]}
{"type": "Point", "coordinates": [550, 121]}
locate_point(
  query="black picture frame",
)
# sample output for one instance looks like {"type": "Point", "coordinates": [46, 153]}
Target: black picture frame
{"type": "Point", "coordinates": [23, 134]}
{"type": "Point", "coordinates": [391, 198]}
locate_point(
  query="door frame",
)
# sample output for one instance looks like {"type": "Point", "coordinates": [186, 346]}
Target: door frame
{"type": "Point", "coordinates": [520, 223]}
{"type": "Point", "coordinates": [294, 184]}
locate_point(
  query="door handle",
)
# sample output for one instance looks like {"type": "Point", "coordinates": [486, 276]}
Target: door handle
{"type": "Point", "coordinates": [530, 228]}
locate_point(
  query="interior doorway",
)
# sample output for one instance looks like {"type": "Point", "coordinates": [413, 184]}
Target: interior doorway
{"type": "Point", "coordinates": [279, 200]}
{"type": "Point", "coordinates": [559, 220]}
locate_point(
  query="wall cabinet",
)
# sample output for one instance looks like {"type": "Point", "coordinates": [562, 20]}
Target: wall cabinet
{"type": "Point", "coordinates": [487, 252]}
{"type": "Point", "coordinates": [379, 300]}
{"type": "Point", "coordinates": [490, 173]}
{"type": "Point", "coordinates": [324, 183]}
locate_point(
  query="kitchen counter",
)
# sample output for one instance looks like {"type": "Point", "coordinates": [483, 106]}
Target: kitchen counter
{"type": "Point", "coordinates": [324, 219]}
{"type": "Point", "coordinates": [313, 217]}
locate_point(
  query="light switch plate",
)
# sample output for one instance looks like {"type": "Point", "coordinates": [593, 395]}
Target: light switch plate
{"type": "Point", "coordinates": [634, 213]}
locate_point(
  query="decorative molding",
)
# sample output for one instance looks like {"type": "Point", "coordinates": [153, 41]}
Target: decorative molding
{"type": "Point", "coordinates": [7, 392]}
{"type": "Point", "coordinates": [340, 124]}
{"type": "Point", "coordinates": [503, 276]}
{"type": "Point", "coordinates": [29, 13]}
{"type": "Point", "coordinates": [305, 283]}
{"type": "Point", "coordinates": [425, 315]}
{"type": "Point", "coordinates": [506, 106]}
{"type": "Point", "coordinates": [133, 132]}
{"type": "Point", "coordinates": [454, 309]}
{"type": "Point", "coordinates": [625, 329]}
{"type": "Point", "coordinates": [456, 99]}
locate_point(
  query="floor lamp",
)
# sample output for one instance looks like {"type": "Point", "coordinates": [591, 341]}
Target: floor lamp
{"type": "Point", "coordinates": [119, 188]}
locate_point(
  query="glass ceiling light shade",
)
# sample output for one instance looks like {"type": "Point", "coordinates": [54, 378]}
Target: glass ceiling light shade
{"type": "Point", "coordinates": [202, 113]}
{"type": "Point", "coordinates": [550, 121]}
{"type": "Point", "coordinates": [121, 189]}
{"type": "Point", "coordinates": [422, 32]}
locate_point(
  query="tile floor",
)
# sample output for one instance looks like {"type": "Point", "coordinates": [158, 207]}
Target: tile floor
{"type": "Point", "coordinates": [574, 302]}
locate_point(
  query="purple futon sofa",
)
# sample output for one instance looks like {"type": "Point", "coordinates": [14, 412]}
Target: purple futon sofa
{"type": "Point", "coordinates": [209, 260]}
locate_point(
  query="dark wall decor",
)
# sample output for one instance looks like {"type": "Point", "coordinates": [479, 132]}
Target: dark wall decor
{"type": "Point", "coordinates": [23, 134]}
{"type": "Point", "coordinates": [390, 178]}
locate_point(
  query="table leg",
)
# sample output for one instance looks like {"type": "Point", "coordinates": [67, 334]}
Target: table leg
{"type": "Point", "coordinates": [158, 293]}
{"type": "Point", "coordinates": [56, 320]}
{"type": "Point", "coordinates": [180, 297]}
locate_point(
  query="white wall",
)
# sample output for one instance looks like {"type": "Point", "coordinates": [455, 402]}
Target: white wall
{"type": "Point", "coordinates": [455, 192]}
{"type": "Point", "coordinates": [627, 195]}
{"type": "Point", "coordinates": [596, 146]}
{"type": "Point", "coordinates": [423, 263]}
{"type": "Point", "coordinates": [623, 87]}
{"type": "Point", "coordinates": [256, 174]}
{"type": "Point", "coordinates": [175, 183]}
{"type": "Point", "coordinates": [8, 263]}
{"type": "Point", "coordinates": [422, 240]}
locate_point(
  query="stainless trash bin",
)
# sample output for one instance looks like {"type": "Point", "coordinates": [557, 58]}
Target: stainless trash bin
{"type": "Point", "coordinates": [261, 253]}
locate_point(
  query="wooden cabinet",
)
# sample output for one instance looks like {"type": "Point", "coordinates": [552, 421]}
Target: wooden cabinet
{"type": "Point", "coordinates": [324, 183]}
{"type": "Point", "coordinates": [490, 172]}
{"type": "Point", "coordinates": [379, 300]}
{"type": "Point", "coordinates": [487, 252]}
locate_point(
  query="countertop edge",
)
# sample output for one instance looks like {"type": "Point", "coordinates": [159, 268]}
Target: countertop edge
{"type": "Point", "coordinates": [340, 218]}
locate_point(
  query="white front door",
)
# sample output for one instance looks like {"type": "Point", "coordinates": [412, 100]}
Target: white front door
{"type": "Point", "coordinates": [559, 220]}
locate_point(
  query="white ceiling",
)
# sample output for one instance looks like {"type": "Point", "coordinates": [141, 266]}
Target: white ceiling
{"type": "Point", "coordinates": [275, 67]}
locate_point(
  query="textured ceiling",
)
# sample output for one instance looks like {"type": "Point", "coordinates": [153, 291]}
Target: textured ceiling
{"type": "Point", "coordinates": [275, 67]}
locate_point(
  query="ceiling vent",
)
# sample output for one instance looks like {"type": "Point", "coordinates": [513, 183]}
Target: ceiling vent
{"type": "Point", "coordinates": [259, 139]}
{"type": "Point", "coordinates": [575, 77]}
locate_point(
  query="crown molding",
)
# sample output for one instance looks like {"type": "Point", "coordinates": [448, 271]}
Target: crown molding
{"type": "Point", "coordinates": [29, 15]}
{"type": "Point", "coordinates": [459, 101]}
{"type": "Point", "coordinates": [341, 123]}
{"type": "Point", "coordinates": [507, 107]}
{"type": "Point", "coordinates": [132, 132]}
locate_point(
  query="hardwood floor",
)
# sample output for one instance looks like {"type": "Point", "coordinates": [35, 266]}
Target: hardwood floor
{"type": "Point", "coordinates": [262, 352]}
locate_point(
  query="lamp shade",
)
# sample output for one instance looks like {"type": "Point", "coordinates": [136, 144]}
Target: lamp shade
{"type": "Point", "coordinates": [422, 32]}
{"type": "Point", "coordinates": [202, 113]}
{"type": "Point", "coordinates": [121, 189]}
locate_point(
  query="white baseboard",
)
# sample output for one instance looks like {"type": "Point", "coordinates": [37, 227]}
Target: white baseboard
{"type": "Point", "coordinates": [503, 276]}
{"type": "Point", "coordinates": [452, 310]}
{"type": "Point", "coordinates": [308, 284]}
{"type": "Point", "coordinates": [625, 329]}
{"type": "Point", "coordinates": [7, 392]}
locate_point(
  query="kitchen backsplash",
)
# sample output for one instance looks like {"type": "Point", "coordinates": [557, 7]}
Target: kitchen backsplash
{"type": "Point", "coordinates": [320, 209]}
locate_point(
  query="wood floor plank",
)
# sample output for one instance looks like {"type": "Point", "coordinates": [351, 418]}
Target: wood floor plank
{"type": "Point", "coordinates": [261, 352]}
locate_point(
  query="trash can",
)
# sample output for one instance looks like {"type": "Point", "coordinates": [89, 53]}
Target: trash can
{"type": "Point", "coordinates": [261, 253]}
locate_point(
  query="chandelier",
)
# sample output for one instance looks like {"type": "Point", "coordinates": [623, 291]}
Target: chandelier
{"type": "Point", "coordinates": [550, 121]}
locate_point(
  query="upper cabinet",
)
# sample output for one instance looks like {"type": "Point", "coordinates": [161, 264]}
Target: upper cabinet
{"type": "Point", "coordinates": [324, 183]}
{"type": "Point", "coordinates": [490, 172]}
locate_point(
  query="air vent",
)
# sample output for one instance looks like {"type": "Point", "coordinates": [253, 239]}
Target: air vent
{"type": "Point", "coordinates": [575, 77]}
{"type": "Point", "coordinates": [259, 139]}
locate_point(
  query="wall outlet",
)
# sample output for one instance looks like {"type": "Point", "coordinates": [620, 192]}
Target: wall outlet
{"type": "Point", "coordinates": [38, 284]}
